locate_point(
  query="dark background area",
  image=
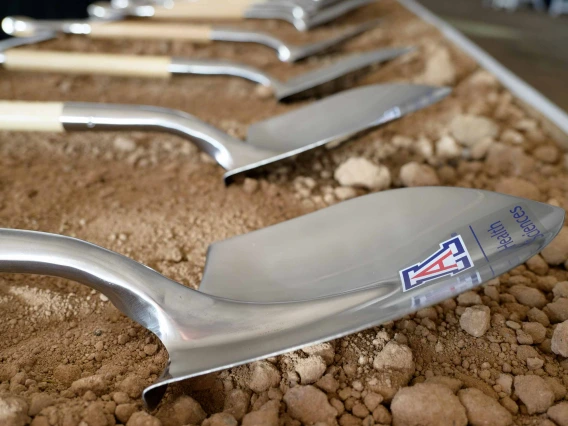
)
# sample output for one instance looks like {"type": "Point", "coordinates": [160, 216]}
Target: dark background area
{"type": "Point", "coordinates": [532, 44]}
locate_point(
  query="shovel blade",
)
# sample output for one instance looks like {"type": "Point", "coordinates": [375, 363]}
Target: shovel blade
{"type": "Point", "coordinates": [374, 239]}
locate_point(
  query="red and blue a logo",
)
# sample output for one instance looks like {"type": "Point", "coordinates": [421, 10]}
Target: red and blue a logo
{"type": "Point", "coordinates": [451, 259]}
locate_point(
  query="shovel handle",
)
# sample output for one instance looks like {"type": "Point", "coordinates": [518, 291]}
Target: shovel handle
{"type": "Point", "coordinates": [87, 63]}
{"type": "Point", "coordinates": [31, 116]}
{"type": "Point", "coordinates": [151, 31]}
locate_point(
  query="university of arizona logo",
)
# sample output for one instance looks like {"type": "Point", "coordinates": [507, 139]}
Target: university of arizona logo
{"type": "Point", "coordinates": [451, 259]}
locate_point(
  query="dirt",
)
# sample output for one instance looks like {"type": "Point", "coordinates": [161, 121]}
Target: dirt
{"type": "Point", "coordinates": [68, 357]}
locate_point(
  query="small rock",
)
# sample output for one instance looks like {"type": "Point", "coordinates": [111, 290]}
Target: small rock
{"type": "Point", "coordinates": [536, 330]}
{"type": "Point", "coordinates": [469, 129]}
{"type": "Point", "coordinates": [310, 369]}
{"type": "Point", "coordinates": [150, 349]}
{"type": "Point", "coordinates": [534, 363]}
{"type": "Point", "coordinates": [439, 68]}
{"type": "Point", "coordinates": [506, 383]}
{"type": "Point", "coordinates": [124, 411]}
{"type": "Point", "coordinates": [536, 315]}
{"type": "Point", "coordinates": [447, 148]}
{"type": "Point", "coordinates": [237, 403]}
{"type": "Point", "coordinates": [482, 410]}
{"type": "Point", "coordinates": [124, 144]}
{"type": "Point", "coordinates": [260, 418]}
{"type": "Point", "coordinates": [96, 384]}
{"type": "Point", "coordinates": [427, 404]}
{"type": "Point", "coordinates": [558, 388]}
{"type": "Point", "coordinates": [372, 400]}
{"type": "Point", "coordinates": [309, 405]}
{"type": "Point", "coordinates": [120, 397]}
{"type": "Point", "coordinates": [453, 384]}
{"type": "Point", "coordinates": [141, 418]}
{"type": "Point", "coordinates": [518, 187]}
{"type": "Point", "coordinates": [547, 153]}
{"type": "Point", "coordinates": [560, 289]}
{"type": "Point", "coordinates": [222, 419]}
{"type": "Point", "coordinates": [13, 411]}
{"type": "Point", "coordinates": [250, 185]}
{"type": "Point", "coordinates": [415, 174]}
{"type": "Point", "coordinates": [534, 392]}
{"type": "Point", "coordinates": [394, 356]}
{"type": "Point", "coordinates": [39, 402]}
{"type": "Point", "coordinates": [469, 298]}
{"type": "Point", "coordinates": [132, 385]}
{"type": "Point", "coordinates": [557, 251]}
{"type": "Point", "coordinates": [559, 413]}
{"type": "Point", "coordinates": [328, 383]}
{"type": "Point", "coordinates": [537, 265]}
{"type": "Point", "coordinates": [358, 171]}
{"type": "Point", "coordinates": [344, 193]}
{"type": "Point", "coordinates": [382, 416]}
{"type": "Point", "coordinates": [557, 311]}
{"type": "Point", "coordinates": [264, 376]}
{"type": "Point", "coordinates": [559, 344]}
{"type": "Point", "coordinates": [187, 410]}
{"type": "Point", "coordinates": [528, 296]}
{"type": "Point", "coordinates": [476, 320]}
{"type": "Point", "coordinates": [525, 352]}
{"type": "Point", "coordinates": [325, 350]}
{"type": "Point", "coordinates": [67, 373]}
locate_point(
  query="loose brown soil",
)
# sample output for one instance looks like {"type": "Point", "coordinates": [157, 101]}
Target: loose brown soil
{"type": "Point", "coordinates": [68, 357]}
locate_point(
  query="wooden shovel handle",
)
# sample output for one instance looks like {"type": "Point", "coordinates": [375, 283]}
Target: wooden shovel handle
{"type": "Point", "coordinates": [151, 31]}
{"type": "Point", "coordinates": [87, 63]}
{"type": "Point", "coordinates": [31, 116]}
{"type": "Point", "coordinates": [203, 9]}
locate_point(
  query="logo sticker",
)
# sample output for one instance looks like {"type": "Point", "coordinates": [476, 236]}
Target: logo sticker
{"type": "Point", "coordinates": [451, 259]}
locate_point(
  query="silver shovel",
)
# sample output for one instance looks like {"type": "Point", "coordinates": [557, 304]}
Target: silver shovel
{"type": "Point", "coordinates": [342, 269]}
{"type": "Point", "coordinates": [302, 15]}
{"type": "Point", "coordinates": [335, 117]}
{"type": "Point", "coordinates": [164, 67]}
{"type": "Point", "coordinates": [21, 26]}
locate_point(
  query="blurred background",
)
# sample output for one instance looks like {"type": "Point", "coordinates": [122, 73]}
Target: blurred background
{"type": "Point", "coordinates": [530, 37]}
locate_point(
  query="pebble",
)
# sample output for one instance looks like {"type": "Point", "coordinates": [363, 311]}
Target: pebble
{"type": "Point", "coordinates": [506, 383]}
{"type": "Point", "coordinates": [264, 376]}
{"type": "Point", "coordinates": [394, 356]}
{"type": "Point", "coordinates": [482, 410]}
{"type": "Point", "coordinates": [536, 330]}
{"type": "Point", "coordinates": [469, 129]}
{"type": "Point", "coordinates": [132, 385]}
{"type": "Point", "coordinates": [534, 392]}
{"type": "Point", "coordinates": [537, 265]}
{"type": "Point", "coordinates": [67, 373]}
{"type": "Point", "coordinates": [453, 384]}
{"type": "Point", "coordinates": [344, 193]}
{"type": "Point", "coordinates": [250, 185]}
{"type": "Point", "coordinates": [427, 404]}
{"type": "Point", "coordinates": [123, 412]}
{"type": "Point", "coordinates": [559, 413]}
{"type": "Point", "coordinates": [96, 384]}
{"type": "Point", "coordinates": [447, 148]}
{"type": "Point", "coordinates": [469, 298]}
{"type": "Point", "coordinates": [476, 320]}
{"type": "Point", "coordinates": [557, 311]}
{"type": "Point", "coordinates": [539, 316]}
{"type": "Point", "coordinates": [310, 369]}
{"type": "Point", "coordinates": [382, 416]}
{"type": "Point", "coordinates": [416, 174]}
{"type": "Point", "coordinates": [560, 289]}
{"type": "Point", "coordinates": [556, 252]}
{"type": "Point", "coordinates": [518, 188]}
{"type": "Point", "coordinates": [372, 400]}
{"type": "Point", "coordinates": [38, 402]}
{"type": "Point", "coordinates": [221, 419]}
{"type": "Point", "coordinates": [13, 411]}
{"type": "Point", "coordinates": [309, 405]}
{"type": "Point", "coordinates": [325, 350]}
{"type": "Point", "coordinates": [141, 418]}
{"type": "Point", "coordinates": [547, 153]}
{"type": "Point", "coordinates": [124, 144]}
{"type": "Point", "coordinates": [360, 172]}
{"type": "Point", "coordinates": [187, 410]}
{"type": "Point", "coordinates": [236, 403]}
{"type": "Point", "coordinates": [528, 296]}
{"type": "Point", "coordinates": [559, 344]}
{"type": "Point", "coordinates": [259, 418]}
{"type": "Point", "coordinates": [439, 68]}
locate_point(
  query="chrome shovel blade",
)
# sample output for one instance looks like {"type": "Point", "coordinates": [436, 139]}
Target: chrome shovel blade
{"type": "Point", "coordinates": [341, 115]}
{"type": "Point", "coordinates": [306, 83]}
{"type": "Point", "coordinates": [396, 239]}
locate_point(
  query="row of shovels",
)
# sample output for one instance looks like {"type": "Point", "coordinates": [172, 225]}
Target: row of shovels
{"type": "Point", "coordinates": [321, 276]}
